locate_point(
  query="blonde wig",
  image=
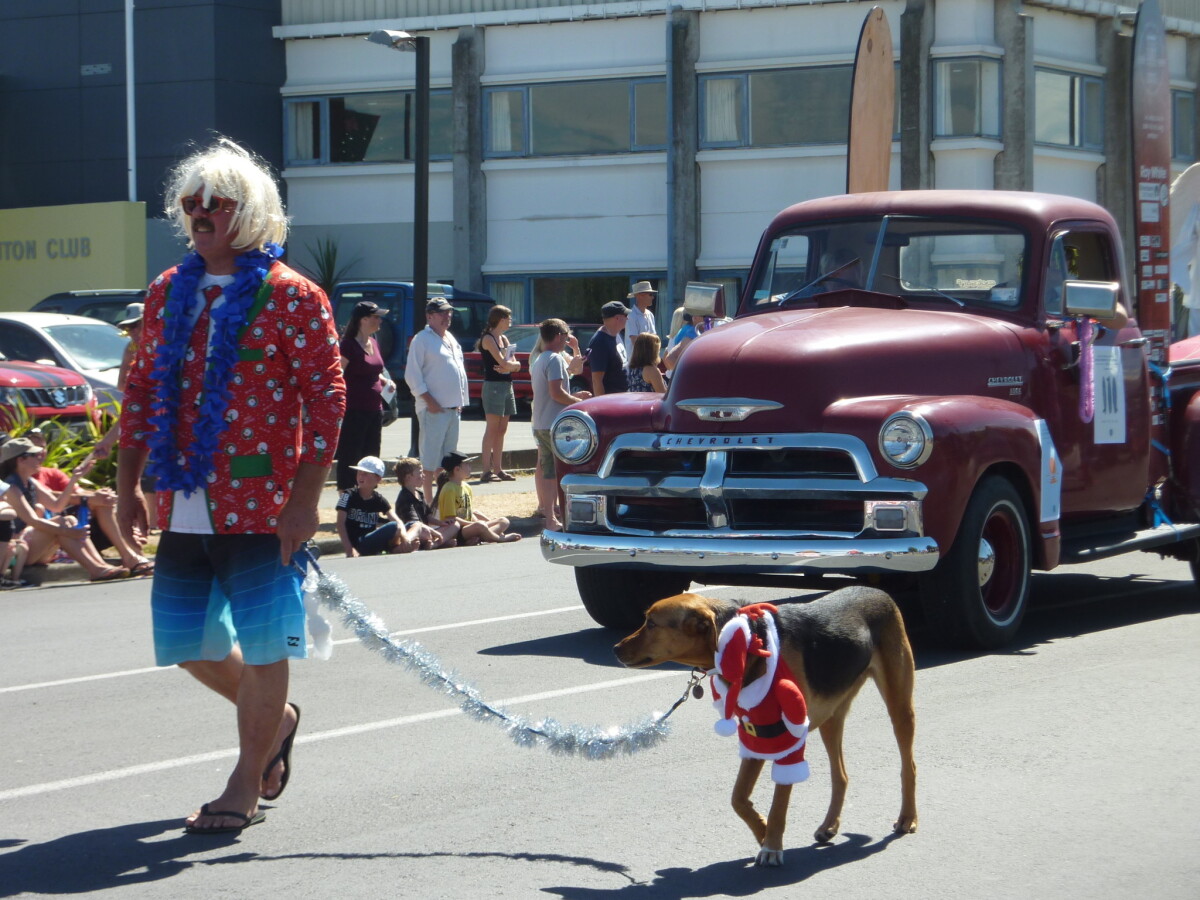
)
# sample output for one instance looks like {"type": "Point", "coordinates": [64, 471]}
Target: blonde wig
{"type": "Point", "coordinates": [226, 169]}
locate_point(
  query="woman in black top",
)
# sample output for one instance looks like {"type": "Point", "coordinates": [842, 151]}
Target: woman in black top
{"type": "Point", "coordinates": [366, 379]}
{"type": "Point", "coordinates": [499, 404]}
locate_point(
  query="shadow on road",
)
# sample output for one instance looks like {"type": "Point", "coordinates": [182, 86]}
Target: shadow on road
{"type": "Point", "coordinates": [739, 877]}
{"type": "Point", "coordinates": [593, 646]}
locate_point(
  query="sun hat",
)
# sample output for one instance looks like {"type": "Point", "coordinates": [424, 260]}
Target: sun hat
{"type": "Point", "coordinates": [371, 464]}
{"type": "Point", "coordinates": [15, 447]}
{"type": "Point", "coordinates": [641, 287]}
{"type": "Point", "coordinates": [133, 315]}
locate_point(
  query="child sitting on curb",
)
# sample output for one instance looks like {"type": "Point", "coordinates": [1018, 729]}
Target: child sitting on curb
{"type": "Point", "coordinates": [454, 504]}
{"type": "Point", "coordinates": [365, 520]}
{"type": "Point", "coordinates": [419, 527]}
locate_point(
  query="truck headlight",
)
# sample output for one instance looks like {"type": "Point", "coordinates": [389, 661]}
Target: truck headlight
{"type": "Point", "coordinates": [574, 437]}
{"type": "Point", "coordinates": [906, 440]}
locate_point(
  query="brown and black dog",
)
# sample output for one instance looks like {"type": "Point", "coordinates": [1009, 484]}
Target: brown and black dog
{"type": "Point", "coordinates": [832, 646]}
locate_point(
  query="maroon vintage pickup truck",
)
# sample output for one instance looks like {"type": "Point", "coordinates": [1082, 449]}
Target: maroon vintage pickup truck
{"type": "Point", "coordinates": [939, 387]}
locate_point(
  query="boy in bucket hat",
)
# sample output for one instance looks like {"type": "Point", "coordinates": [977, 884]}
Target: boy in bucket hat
{"type": "Point", "coordinates": [366, 522]}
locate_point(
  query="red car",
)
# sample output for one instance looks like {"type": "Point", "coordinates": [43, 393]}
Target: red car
{"type": "Point", "coordinates": [524, 337]}
{"type": "Point", "coordinates": [44, 392]}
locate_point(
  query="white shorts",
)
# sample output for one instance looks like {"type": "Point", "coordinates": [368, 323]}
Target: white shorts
{"type": "Point", "coordinates": [439, 436]}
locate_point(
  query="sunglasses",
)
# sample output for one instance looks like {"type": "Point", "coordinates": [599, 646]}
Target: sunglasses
{"type": "Point", "coordinates": [222, 204]}
{"type": "Point", "coordinates": [38, 455]}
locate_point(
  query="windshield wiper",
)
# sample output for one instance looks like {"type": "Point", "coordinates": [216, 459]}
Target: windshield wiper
{"type": "Point", "coordinates": [933, 290]}
{"type": "Point", "coordinates": [799, 292]}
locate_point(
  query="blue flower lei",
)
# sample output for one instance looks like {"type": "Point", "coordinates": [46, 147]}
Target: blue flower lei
{"type": "Point", "coordinates": [187, 468]}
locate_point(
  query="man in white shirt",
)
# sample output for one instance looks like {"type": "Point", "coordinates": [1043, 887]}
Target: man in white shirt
{"type": "Point", "coordinates": [438, 379]}
{"type": "Point", "coordinates": [641, 318]}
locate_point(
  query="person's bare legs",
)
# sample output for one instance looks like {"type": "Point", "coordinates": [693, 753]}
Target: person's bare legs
{"type": "Point", "coordinates": [427, 478]}
{"type": "Point", "coordinates": [224, 677]}
{"type": "Point", "coordinates": [547, 495]}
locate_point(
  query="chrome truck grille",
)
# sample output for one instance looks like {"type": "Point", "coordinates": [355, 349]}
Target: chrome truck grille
{"type": "Point", "coordinates": [743, 485]}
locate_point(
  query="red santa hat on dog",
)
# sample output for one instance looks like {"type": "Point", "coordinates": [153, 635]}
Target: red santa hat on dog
{"type": "Point", "coordinates": [735, 644]}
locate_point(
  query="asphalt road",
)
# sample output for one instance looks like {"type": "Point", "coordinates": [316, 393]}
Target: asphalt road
{"type": "Point", "coordinates": [1064, 767]}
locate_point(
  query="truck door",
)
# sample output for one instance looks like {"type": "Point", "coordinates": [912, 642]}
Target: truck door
{"type": "Point", "coordinates": [1105, 460]}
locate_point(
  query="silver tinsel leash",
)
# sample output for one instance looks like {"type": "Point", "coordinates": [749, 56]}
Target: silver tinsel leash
{"type": "Point", "coordinates": [569, 740]}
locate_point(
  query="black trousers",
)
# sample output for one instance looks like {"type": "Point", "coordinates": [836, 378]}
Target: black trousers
{"type": "Point", "coordinates": [361, 432]}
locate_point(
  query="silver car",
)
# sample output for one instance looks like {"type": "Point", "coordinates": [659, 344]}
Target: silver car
{"type": "Point", "coordinates": [88, 346]}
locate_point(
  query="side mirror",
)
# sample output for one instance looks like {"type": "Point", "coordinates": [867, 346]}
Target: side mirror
{"type": "Point", "coordinates": [704, 300]}
{"type": "Point", "coordinates": [1095, 299]}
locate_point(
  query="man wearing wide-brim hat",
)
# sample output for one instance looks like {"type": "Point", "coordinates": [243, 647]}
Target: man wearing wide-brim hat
{"type": "Point", "coordinates": [641, 319]}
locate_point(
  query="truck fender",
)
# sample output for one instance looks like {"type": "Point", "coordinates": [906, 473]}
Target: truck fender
{"type": "Point", "coordinates": [972, 437]}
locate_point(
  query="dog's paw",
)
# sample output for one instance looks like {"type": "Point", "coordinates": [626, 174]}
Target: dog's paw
{"type": "Point", "coordinates": [769, 856]}
{"type": "Point", "coordinates": [905, 825]}
{"type": "Point", "coordinates": [827, 832]}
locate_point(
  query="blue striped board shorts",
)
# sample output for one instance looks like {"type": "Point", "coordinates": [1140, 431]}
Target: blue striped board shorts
{"type": "Point", "coordinates": [212, 590]}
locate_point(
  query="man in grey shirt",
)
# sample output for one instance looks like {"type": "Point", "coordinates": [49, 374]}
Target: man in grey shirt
{"type": "Point", "coordinates": [550, 377]}
{"type": "Point", "coordinates": [438, 379]}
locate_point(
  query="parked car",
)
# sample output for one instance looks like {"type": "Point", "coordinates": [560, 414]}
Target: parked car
{"type": "Point", "coordinates": [43, 392]}
{"type": "Point", "coordinates": [85, 345]}
{"type": "Point", "coordinates": [403, 321]}
{"type": "Point", "coordinates": [524, 337]}
{"type": "Point", "coordinates": [108, 306]}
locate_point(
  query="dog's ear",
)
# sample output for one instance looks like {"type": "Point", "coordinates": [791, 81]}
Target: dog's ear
{"type": "Point", "coordinates": [702, 622]}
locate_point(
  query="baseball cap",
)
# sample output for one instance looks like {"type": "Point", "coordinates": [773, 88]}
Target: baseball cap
{"type": "Point", "coordinates": [371, 464]}
{"type": "Point", "coordinates": [439, 304]}
{"type": "Point", "coordinates": [450, 460]}
{"type": "Point", "coordinates": [613, 308]}
{"type": "Point", "coordinates": [369, 308]}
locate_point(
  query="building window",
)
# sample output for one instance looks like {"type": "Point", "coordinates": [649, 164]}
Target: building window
{"type": "Point", "coordinates": [1183, 126]}
{"type": "Point", "coordinates": [776, 108]}
{"type": "Point", "coordinates": [369, 127]}
{"type": "Point", "coordinates": [577, 118]}
{"type": "Point", "coordinates": [967, 93]}
{"type": "Point", "coordinates": [1069, 109]}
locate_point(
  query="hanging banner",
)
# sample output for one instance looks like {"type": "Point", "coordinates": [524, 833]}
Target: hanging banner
{"type": "Point", "coordinates": [1150, 104]}
{"type": "Point", "coordinates": [872, 107]}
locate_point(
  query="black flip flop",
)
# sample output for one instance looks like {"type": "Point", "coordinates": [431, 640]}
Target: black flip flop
{"type": "Point", "coordinates": [285, 754]}
{"type": "Point", "coordinates": [247, 821]}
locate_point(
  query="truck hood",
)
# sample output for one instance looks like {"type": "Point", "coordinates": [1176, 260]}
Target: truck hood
{"type": "Point", "coordinates": [807, 359]}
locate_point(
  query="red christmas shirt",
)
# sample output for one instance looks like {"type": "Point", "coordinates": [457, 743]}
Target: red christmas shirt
{"type": "Point", "coordinates": [287, 398]}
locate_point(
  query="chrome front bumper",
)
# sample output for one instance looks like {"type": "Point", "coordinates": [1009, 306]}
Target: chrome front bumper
{"type": "Point", "coordinates": [791, 557]}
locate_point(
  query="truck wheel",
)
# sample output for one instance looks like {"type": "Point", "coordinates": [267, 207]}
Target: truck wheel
{"type": "Point", "coordinates": [978, 593]}
{"type": "Point", "coordinates": [619, 598]}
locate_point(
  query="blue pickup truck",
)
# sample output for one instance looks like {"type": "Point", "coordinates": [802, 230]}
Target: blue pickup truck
{"type": "Point", "coordinates": [403, 321]}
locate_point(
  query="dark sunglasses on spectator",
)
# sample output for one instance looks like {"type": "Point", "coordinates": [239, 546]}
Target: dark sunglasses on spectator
{"type": "Point", "coordinates": [224, 204]}
{"type": "Point", "coordinates": [35, 455]}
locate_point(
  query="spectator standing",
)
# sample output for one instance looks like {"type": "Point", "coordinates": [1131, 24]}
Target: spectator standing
{"type": "Point", "coordinates": [606, 352]}
{"type": "Point", "coordinates": [365, 520]}
{"type": "Point", "coordinates": [366, 382]}
{"type": "Point", "coordinates": [641, 317]}
{"type": "Point", "coordinates": [499, 404]}
{"type": "Point", "coordinates": [550, 378]}
{"type": "Point", "coordinates": [644, 376]}
{"type": "Point", "coordinates": [236, 398]}
{"type": "Point", "coordinates": [438, 379]}
{"type": "Point", "coordinates": [455, 503]}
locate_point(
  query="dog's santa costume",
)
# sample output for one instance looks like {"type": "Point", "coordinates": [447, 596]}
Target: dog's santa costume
{"type": "Point", "coordinates": [768, 715]}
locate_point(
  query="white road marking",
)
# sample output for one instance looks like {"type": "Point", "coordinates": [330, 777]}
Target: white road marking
{"type": "Point", "coordinates": [34, 790]}
{"type": "Point", "coordinates": [82, 679]}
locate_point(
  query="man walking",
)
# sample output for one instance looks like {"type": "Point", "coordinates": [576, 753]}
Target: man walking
{"type": "Point", "coordinates": [233, 405]}
{"type": "Point", "coordinates": [606, 351]}
{"type": "Point", "coordinates": [550, 378]}
{"type": "Point", "coordinates": [641, 317]}
{"type": "Point", "coordinates": [437, 376]}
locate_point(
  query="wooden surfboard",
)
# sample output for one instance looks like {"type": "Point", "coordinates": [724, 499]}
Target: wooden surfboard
{"type": "Point", "coordinates": [872, 105]}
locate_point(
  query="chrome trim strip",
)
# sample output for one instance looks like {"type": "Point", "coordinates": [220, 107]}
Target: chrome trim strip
{"type": "Point", "coordinates": [748, 488]}
{"type": "Point", "coordinates": [906, 555]}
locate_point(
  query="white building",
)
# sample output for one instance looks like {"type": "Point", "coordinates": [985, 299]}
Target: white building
{"type": "Point", "coordinates": [577, 148]}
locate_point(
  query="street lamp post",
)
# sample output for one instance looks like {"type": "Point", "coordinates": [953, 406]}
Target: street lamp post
{"type": "Point", "coordinates": [403, 41]}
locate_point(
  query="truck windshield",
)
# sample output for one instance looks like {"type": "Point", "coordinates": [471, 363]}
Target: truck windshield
{"type": "Point", "coordinates": [943, 261]}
